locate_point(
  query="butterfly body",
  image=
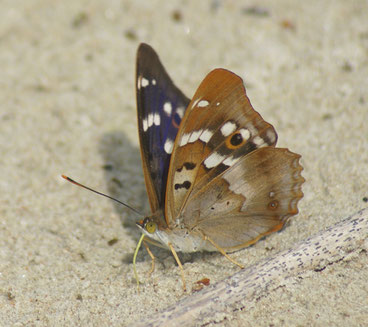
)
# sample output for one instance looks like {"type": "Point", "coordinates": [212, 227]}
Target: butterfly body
{"type": "Point", "coordinates": [182, 238]}
{"type": "Point", "coordinates": [215, 180]}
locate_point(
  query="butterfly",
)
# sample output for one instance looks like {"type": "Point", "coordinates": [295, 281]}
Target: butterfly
{"type": "Point", "coordinates": [214, 178]}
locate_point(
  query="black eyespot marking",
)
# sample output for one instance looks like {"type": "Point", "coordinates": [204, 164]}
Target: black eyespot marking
{"type": "Point", "coordinates": [236, 139]}
{"type": "Point", "coordinates": [187, 166]}
{"type": "Point", "coordinates": [185, 185]}
{"type": "Point", "coordinates": [228, 202]}
{"type": "Point", "coordinates": [273, 205]}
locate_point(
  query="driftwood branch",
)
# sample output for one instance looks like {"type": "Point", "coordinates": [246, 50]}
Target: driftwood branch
{"type": "Point", "coordinates": [329, 246]}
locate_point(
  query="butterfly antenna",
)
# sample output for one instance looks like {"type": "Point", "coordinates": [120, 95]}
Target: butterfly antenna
{"type": "Point", "coordinates": [99, 193]}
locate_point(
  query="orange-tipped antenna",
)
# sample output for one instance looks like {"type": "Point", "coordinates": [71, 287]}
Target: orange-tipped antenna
{"type": "Point", "coordinates": [99, 193]}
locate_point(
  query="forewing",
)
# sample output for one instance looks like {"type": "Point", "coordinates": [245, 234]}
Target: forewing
{"type": "Point", "coordinates": [219, 128]}
{"type": "Point", "coordinates": [161, 107]}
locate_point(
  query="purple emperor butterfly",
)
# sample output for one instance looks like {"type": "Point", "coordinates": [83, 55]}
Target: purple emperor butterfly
{"type": "Point", "coordinates": [214, 178]}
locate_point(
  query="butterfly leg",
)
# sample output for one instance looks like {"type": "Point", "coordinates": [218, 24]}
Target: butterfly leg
{"type": "Point", "coordinates": [179, 264]}
{"type": "Point", "coordinates": [221, 250]}
{"type": "Point", "coordinates": [152, 257]}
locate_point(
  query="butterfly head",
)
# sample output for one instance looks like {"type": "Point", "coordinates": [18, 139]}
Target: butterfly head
{"type": "Point", "coordinates": [154, 227]}
{"type": "Point", "coordinates": [148, 226]}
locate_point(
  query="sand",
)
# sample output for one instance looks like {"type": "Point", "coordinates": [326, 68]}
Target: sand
{"type": "Point", "coordinates": [68, 107]}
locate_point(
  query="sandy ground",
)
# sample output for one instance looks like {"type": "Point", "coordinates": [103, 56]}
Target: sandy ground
{"type": "Point", "coordinates": [68, 106]}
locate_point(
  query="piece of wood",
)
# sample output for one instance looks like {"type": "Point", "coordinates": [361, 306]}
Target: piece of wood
{"type": "Point", "coordinates": [327, 247]}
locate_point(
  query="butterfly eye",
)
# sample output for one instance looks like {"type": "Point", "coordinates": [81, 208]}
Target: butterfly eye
{"type": "Point", "coordinates": [150, 227]}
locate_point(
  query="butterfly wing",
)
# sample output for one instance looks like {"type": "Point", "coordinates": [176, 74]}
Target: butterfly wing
{"type": "Point", "coordinates": [219, 127]}
{"type": "Point", "coordinates": [161, 107]}
{"type": "Point", "coordinates": [249, 200]}
{"type": "Point", "coordinates": [224, 166]}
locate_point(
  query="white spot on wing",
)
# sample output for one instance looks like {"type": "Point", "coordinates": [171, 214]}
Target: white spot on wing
{"type": "Point", "coordinates": [144, 82]}
{"type": "Point", "coordinates": [206, 135]}
{"type": "Point", "coordinates": [169, 144]}
{"type": "Point", "coordinates": [244, 133]}
{"type": "Point", "coordinates": [168, 108]}
{"type": "Point", "coordinates": [195, 135]}
{"type": "Point", "coordinates": [153, 82]}
{"type": "Point", "coordinates": [145, 124]}
{"type": "Point", "coordinates": [230, 161]}
{"type": "Point", "coordinates": [156, 119]}
{"type": "Point", "coordinates": [213, 160]}
{"type": "Point", "coordinates": [150, 120]}
{"type": "Point", "coordinates": [180, 111]}
{"type": "Point", "coordinates": [271, 135]}
{"type": "Point", "coordinates": [184, 139]}
{"type": "Point", "coordinates": [203, 103]}
{"type": "Point", "coordinates": [258, 141]}
{"type": "Point", "coordinates": [250, 127]}
{"type": "Point", "coordinates": [228, 128]}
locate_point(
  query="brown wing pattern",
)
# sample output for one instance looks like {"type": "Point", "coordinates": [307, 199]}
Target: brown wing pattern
{"type": "Point", "coordinates": [251, 199]}
{"type": "Point", "coordinates": [219, 128]}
